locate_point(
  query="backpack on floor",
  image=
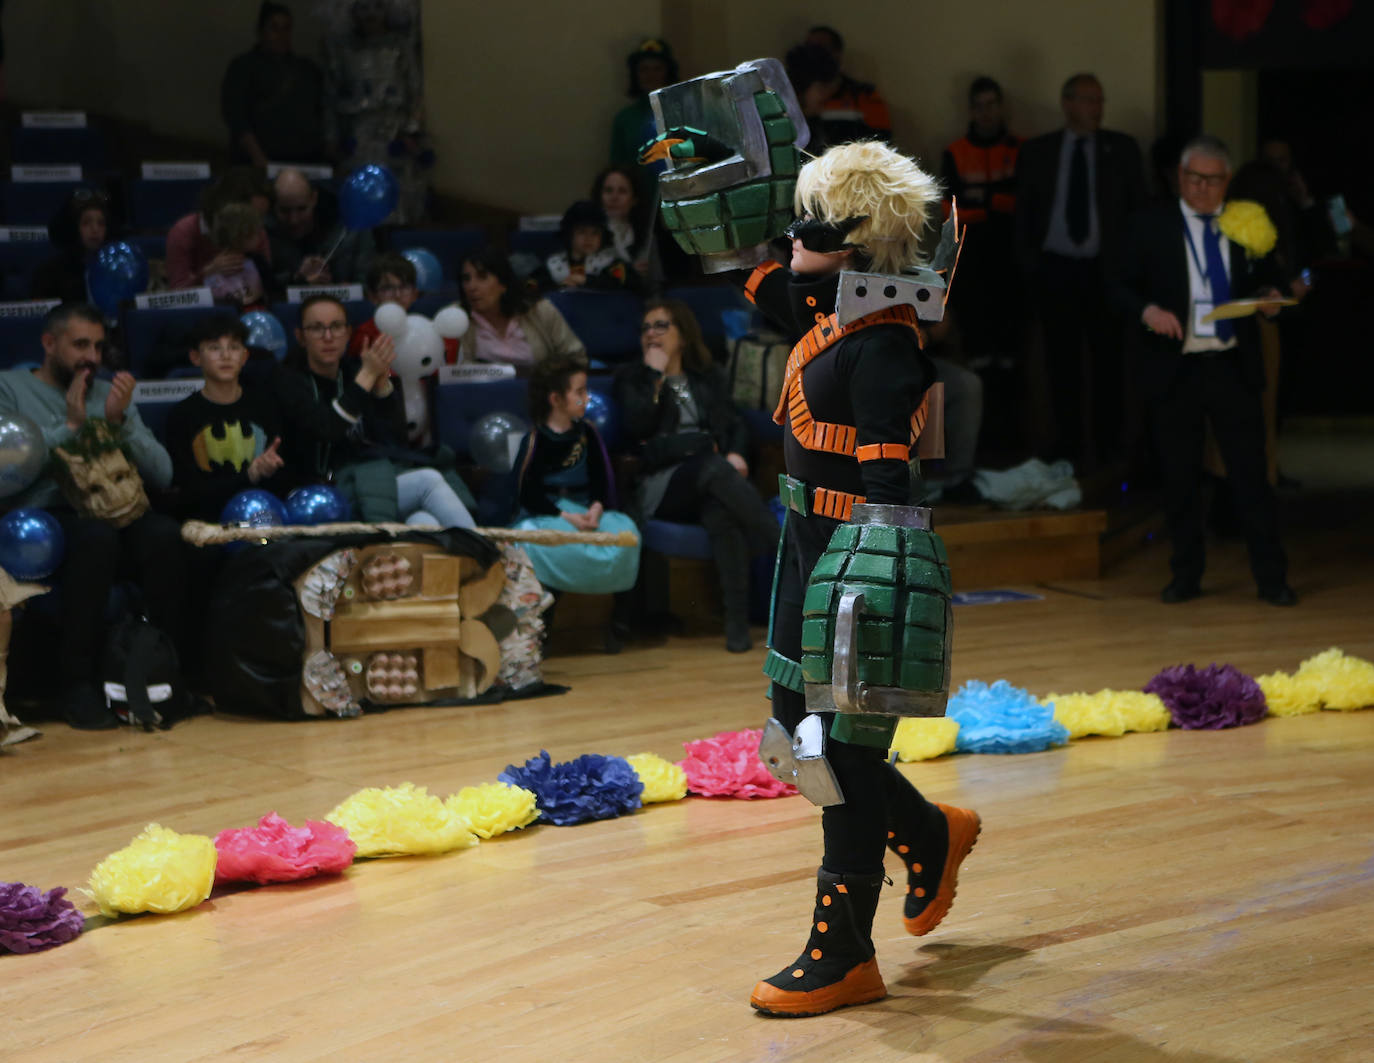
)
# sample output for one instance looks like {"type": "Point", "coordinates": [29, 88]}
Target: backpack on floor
{"type": "Point", "coordinates": [758, 363]}
{"type": "Point", "coordinates": [142, 675]}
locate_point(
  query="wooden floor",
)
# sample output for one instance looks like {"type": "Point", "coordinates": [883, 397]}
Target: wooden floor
{"type": "Point", "coordinates": [1188, 897]}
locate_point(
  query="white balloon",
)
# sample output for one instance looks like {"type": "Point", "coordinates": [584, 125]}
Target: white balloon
{"type": "Point", "coordinates": [420, 350]}
{"type": "Point", "coordinates": [452, 322]}
{"type": "Point", "coordinates": [390, 318]}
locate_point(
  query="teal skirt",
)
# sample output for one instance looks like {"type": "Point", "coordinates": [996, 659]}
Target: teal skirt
{"type": "Point", "coordinates": [582, 568]}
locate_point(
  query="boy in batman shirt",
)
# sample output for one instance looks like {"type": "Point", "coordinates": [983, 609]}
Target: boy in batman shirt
{"type": "Point", "coordinates": [223, 439]}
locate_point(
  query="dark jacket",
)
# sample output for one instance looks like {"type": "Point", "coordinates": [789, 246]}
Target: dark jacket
{"type": "Point", "coordinates": [1153, 268]}
{"type": "Point", "coordinates": [652, 423]}
{"type": "Point", "coordinates": [1120, 190]}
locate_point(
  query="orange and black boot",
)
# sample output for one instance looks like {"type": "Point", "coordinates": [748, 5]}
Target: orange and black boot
{"type": "Point", "coordinates": [932, 852]}
{"type": "Point", "coordinates": [837, 967]}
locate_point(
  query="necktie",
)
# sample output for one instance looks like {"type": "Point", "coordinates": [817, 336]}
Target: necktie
{"type": "Point", "coordinates": [1216, 273]}
{"type": "Point", "coordinates": [1076, 210]}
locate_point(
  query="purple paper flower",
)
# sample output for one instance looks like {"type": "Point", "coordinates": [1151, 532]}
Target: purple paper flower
{"type": "Point", "coordinates": [590, 787]}
{"type": "Point", "coordinates": [31, 920]}
{"type": "Point", "coordinates": [1217, 696]}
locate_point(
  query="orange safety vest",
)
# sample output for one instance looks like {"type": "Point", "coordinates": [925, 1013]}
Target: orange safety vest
{"type": "Point", "coordinates": [985, 166]}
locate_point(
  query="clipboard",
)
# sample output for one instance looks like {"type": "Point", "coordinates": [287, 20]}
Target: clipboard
{"type": "Point", "coordinates": [1244, 308]}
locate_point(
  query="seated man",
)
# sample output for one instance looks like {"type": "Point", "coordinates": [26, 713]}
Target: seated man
{"type": "Point", "coordinates": [224, 438]}
{"type": "Point", "coordinates": [60, 396]}
{"type": "Point", "coordinates": [310, 245]}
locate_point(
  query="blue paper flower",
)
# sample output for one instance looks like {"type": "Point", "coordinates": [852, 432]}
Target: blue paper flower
{"type": "Point", "coordinates": [590, 787]}
{"type": "Point", "coordinates": [1003, 719]}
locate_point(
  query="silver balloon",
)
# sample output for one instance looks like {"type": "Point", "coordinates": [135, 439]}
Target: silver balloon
{"type": "Point", "coordinates": [495, 439]}
{"type": "Point", "coordinates": [22, 453]}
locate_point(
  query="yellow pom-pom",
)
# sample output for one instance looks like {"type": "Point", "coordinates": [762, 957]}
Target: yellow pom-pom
{"type": "Point", "coordinates": [403, 820]}
{"type": "Point", "coordinates": [924, 737]}
{"type": "Point", "coordinates": [1289, 695]}
{"type": "Point", "coordinates": [1243, 221]}
{"type": "Point", "coordinates": [1108, 712]}
{"type": "Point", "coordinates": [494, 808]}
{"type": "Point", "coordinates": [663, 780]}
{"type": "Point", "coordinates": [1342, 682]}
{"type": "Point", "coordinates": [159, 871]}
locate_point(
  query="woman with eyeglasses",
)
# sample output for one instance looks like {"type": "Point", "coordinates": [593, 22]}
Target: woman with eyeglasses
{"type": "Point", "coordinates": [676, 405]}
{"type": "Point", "coordinates": [343, 420]}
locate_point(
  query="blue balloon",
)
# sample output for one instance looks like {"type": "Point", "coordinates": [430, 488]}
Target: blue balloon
{"type": "Point", "coordinates": [118, 272]}
{"type": "Point", "coordinates": [429, 274]}
{"type": "Point", "coordinates": [368, 196]}
{"type": "Point", "coordinates": [316, 504]}
{"type": "Point", "coordinates": [255, 508]}
{"type": "Point", "coordinates": [603, 415]}
{"type": "Point", "coordinates": [264, 330]}
{"type": "Point", "coordinates": [31, 544]}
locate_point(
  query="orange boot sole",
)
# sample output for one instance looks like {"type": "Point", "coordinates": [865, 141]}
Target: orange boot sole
{"type": "Point", "coordinates": [964, 826]}
{"type": "Point", "coordinates": [862, 985]}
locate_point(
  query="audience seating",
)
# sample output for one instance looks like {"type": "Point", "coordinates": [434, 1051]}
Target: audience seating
{"type": "Point", "coordinates": [157, 204]}
{"type": "Point", "coordinates": [21, 340]}
{"type": "Point", "coordinates": [35, 202]}
{"type": "Point", "coordinates": [146, 330]}
{"type": "Point", "coordinates": [607, 323]}
{"type": "Point", "coordinates": [448, 245]}
{"type": "Point", "coordinates": [56, 147]}
{"type": "Point", "coordinates": [18, 260]}
{"type": "Point", "coordinates": [153, 245]}
{"type": "Point", "coordinates": [457, 406]}
{"type": "Point", "coordinates": [707, 304]}
{"type": "Point", "coordinates": [539, 242]}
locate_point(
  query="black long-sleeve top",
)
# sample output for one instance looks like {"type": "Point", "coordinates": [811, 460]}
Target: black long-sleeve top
{"type": "Point", "coordinates": [652, 420]}
{"type": "Point", "coordinates": [327, 424]}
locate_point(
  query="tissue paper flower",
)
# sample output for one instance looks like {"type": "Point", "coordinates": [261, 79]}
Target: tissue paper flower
{"type": "Point", "coordinates": [275, 851]}
{"type": "Point", "coordinates": [728, 765]}
{"type": "Point", "coordinates": [1344, 682]}
{"type": "Point", "coordinates": [403, 820]}
{"type": "Point", "coordinates": [663, 780]}
{"type": "Point", "coordinates": [1208, 699]}
{"type": "Point", "coordinates": [31, 920]}
{"type": "Point", "coordinates": [1243, 221]}
{"type": "Point", "coordinates": [159, 871]}
{"type": "Point", "coordinates": [1108, 712]}
{"type": "Point", "coordinates": [1002, 719]}
{"type": "Point", "coordinates": [1290, 695]}
{"type": "Point", "coordinates": [575, 791]}
{"type": "Point", "coordinates": [925, 738]}
{"type": "Point", "coordinates": [494, 808]}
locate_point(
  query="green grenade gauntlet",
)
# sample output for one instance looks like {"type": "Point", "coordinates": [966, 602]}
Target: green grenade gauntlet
{"type": "Point", "coordinates": [732, 143]}
{"type": "Point", "coordinates": [877, 624]}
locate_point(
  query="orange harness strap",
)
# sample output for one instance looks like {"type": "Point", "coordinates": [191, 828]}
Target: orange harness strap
{"type": "Point", "coordinates": [751, 286]}
{"type": "Point", "coordinates": [883, 451]}
{"type": "Point", "coordinates": [836, 504]}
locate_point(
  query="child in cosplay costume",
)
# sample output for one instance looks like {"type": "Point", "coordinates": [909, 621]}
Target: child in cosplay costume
{"type": "Point", "coordinates": [859, 633]}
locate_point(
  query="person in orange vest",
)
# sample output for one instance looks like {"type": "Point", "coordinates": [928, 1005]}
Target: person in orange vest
{"type": "Point", "coordinates": [979, 173]}
{"type": "Point", "coordinates": [853, 110]}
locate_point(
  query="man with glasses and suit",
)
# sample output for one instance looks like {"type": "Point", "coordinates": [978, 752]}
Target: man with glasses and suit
{"type": "Point", "coordinates": [1176, 267]}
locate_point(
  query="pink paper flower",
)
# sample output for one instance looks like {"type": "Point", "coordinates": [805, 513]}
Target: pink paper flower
{"type": "Point", "coordinates": [275, 851]}
{"type": "Point", "coordinates": [729, 765]}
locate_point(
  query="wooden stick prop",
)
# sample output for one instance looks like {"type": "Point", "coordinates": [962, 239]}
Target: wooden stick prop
{"type": "Point", "coordinates": [199, 533]}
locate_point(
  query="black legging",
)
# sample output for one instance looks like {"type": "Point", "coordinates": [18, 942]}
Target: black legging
{"type": "Point", "coordinates": [877, 797]}
{"type": "Point", "coordinates": [708, 489]}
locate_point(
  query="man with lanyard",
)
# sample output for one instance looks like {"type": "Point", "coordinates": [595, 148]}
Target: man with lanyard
{"type": "Point", "coordinates": [1177, 268]}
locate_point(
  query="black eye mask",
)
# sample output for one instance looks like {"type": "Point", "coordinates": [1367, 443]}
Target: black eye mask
{"type": "Point", "coordinates": [823, 237]}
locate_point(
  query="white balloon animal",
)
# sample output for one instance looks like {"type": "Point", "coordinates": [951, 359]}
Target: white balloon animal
{"type": "Point", "coordinates": [419, 346]}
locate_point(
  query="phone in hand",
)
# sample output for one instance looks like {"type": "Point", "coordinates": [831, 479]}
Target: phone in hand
{"type": "Point", "coordinates": [1340, 217]}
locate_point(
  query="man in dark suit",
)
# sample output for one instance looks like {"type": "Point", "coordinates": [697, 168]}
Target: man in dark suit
{"type": "Point", "coordinates": [1174, 268]}
{"type": "Point", "coordinates": [1075, 188]}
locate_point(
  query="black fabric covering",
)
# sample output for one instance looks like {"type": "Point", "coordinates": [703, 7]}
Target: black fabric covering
{"type": "Point", "coordinates": [256, 634]}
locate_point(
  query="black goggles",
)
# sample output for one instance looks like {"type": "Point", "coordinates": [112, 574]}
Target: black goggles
{"type": "Point", "coordinates": [823, 237]}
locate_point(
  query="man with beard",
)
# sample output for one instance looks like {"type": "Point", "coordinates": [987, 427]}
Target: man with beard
{"type": "Point", "coordinates": [60, 396]}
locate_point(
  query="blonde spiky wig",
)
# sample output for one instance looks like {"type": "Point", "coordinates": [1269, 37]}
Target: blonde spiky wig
{"type": "Point", "coordinates": [869, 178]}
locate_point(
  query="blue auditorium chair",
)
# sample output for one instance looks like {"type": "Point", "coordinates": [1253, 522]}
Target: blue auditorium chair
{"type": "Point", "coordinates": [55, 147]}
{"type": "Point", "coordinates": [35, 202]}
{"type": "Point", "coordinates": [448, 245]}
{"type": "Point", "coordinates": [607, 323]}
{"type": "Point", "coordinates": [146, 330]}
{"type": "Point", "coordinates": [21, 340]}
{"type": "Point", "coordinates": [538, 242]}
{"type": "Point", "coordinates": [707, 305]}
{"type": "Point", "coordinates": [457, 406]}
{"type": "Point", "coordinates": [18, 260]}
{"type": "Point", "coordinates": [156, 204]}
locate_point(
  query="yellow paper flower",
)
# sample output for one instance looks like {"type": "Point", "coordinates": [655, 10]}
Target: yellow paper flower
{"type": "Point", "coordinates": [1343, 682]}
{"type": "Point", "coordinates": [1108, 712]}
{"type": "Point", "coordinates": [1243, 221]}
{"type": "Point", "coordinates": [663, 780]}
{"type": "Point", "coordinates": [494, 808]}
{"type": "Point", "coordinates": [403, 820]}
{"type": "Point", "coordinates": [1289, 695]}
{"type": "Point", "coordinates": [159, 871]}
{"type": "Point", "coordinates": [924, 737]}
